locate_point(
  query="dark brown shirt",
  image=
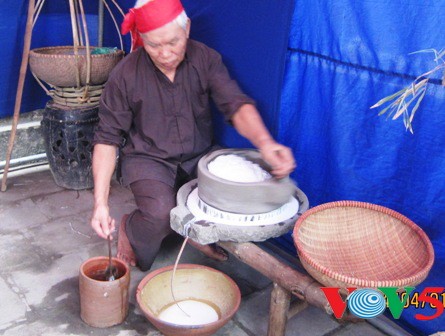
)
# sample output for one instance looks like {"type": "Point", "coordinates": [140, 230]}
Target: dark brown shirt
{"type": "Point", "coordinates": [158, 124]}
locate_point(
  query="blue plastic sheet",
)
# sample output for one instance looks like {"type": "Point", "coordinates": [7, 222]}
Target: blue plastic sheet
{"type": "Point", "coordinates": [343, 57]}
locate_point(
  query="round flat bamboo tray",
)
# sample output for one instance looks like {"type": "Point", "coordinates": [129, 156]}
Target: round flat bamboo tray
{"type": "Point", "coordinates": [356, 244]}
{"type": "Point", "coordinates": [60, 66]}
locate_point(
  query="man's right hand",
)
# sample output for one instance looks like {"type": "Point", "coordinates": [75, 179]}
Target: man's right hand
{"type": "Point", "coordinates": [101, 221]}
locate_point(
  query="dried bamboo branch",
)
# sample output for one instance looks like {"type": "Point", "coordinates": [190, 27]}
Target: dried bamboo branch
{"type": "Point", "coordinates": [401, 101]}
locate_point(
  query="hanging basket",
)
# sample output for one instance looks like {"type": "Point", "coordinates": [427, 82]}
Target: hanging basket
{"type": "Point", "coordinates": [357, 244]}
{"type": "Point", "coordinates": [62, 67]}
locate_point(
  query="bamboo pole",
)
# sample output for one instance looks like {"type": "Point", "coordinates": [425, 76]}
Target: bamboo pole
{"type": "Point", "coordinates": [79, 27]}
{"type": "Point", "coordinates": [87, 42]}
{"type": "Point", "coordinates": [20, 85]}
{"type": "Point", "coordinates": [75, 38]}
{"type": "Point", "coordinates": [88, 51]}
{"type": "Point", "coordinates": [100, 24]}
{"type": "Point", "coordinates": [38, 7]}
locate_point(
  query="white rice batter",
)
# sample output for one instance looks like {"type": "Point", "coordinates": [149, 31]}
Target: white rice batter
{"type": "Point", "coordinates": [199, 313]}
{"type": "Point", "coordinates": [237, 169]}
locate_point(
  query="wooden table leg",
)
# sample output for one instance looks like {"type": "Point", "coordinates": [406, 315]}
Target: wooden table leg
{"type": "Point", "coordinates": [279, 306]}
{"type": "Point", "coordinates": [296, 307]}
{"type": "Point", "coordinates": [300, 285]}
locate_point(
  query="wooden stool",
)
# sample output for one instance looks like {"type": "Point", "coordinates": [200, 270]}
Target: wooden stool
{"type": "Point", "coordinates": [286, 282]}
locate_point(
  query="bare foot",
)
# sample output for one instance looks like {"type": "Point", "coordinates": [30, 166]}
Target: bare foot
{"type": "Point", "coordinates": [212, 250]}
{"type": "Point", "coordinates": [124, 249]}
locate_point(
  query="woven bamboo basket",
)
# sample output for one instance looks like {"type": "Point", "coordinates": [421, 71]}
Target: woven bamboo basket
{"type": "Point", "coordinates": [60, 66]}
{"type": "Point", "coordinates": [356, 244]}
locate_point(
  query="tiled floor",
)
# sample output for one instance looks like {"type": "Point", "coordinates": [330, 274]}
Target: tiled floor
{"type": "Point", "coordinates": [45, 236]}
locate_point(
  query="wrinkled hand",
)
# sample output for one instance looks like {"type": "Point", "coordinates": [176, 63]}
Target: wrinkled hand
{"type": "Point", "coordinates": [279, 157]}
{"type": "Point", "coordinates": [101, 221]}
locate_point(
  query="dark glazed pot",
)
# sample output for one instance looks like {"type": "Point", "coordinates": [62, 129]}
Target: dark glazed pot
{"type": "Point", "coordinates": [68, 135]}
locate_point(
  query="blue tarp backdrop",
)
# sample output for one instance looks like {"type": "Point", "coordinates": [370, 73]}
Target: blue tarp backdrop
{"type": "Point", "coordinates": [314, 67]}
{"type": "Point", "coordinates": [344, 56]}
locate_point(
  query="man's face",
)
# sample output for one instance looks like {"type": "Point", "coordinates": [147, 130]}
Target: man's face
{"type": "Point", "coordinates": [166, 46]}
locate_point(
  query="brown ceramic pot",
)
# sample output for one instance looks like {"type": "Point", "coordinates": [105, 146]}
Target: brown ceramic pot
{"type": "Point", "coordinates": [103, 303]}
{"type": "Point", "coordinates": [191, 282]}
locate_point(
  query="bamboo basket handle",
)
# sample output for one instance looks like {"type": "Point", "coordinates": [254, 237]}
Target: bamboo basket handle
{"type": "Point", "coordinates": [48, 92]}
{"type": "Point", "coordinates": [114, 19]}
{"type": "Point", "coordinates": [38, 8]}
{"type": "Point", "coordinates": [88, 51]}
{"type": "Point", "coordinates": [87, 42]}
{"type": "Point", "coordinates": [75, 38]}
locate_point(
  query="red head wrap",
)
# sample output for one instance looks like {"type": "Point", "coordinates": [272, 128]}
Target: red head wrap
{"type": "Point", "coordinates": [152, 15]}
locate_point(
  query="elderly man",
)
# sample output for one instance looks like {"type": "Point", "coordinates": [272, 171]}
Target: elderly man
{"type": "Point", "coordinates": [155, 109]}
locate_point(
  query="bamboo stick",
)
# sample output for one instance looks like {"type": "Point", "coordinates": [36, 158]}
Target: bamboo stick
{"type": "Point", "coordinates": [20, 85]}
{"type": "Point", "coordinates": [79, 27]}
{"type": "Point", "coordinates": [37, 9]}
{"type": "Point", "coordinates": [75, 38]}
{"type": "Point", "coordinates": [88, 50]}
{"type": "Point", "coordinates": [115, 22]}
{"type": "Point", "coordinates": [87, 42]}
{"type": "Point", "coordinates": [100, 24]}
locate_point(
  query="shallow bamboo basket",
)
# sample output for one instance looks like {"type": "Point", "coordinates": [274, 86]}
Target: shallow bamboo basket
{"type": "Point", "coordinates": [61, 66]}
{"type": "Point", "coordinates": [356, 244]}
